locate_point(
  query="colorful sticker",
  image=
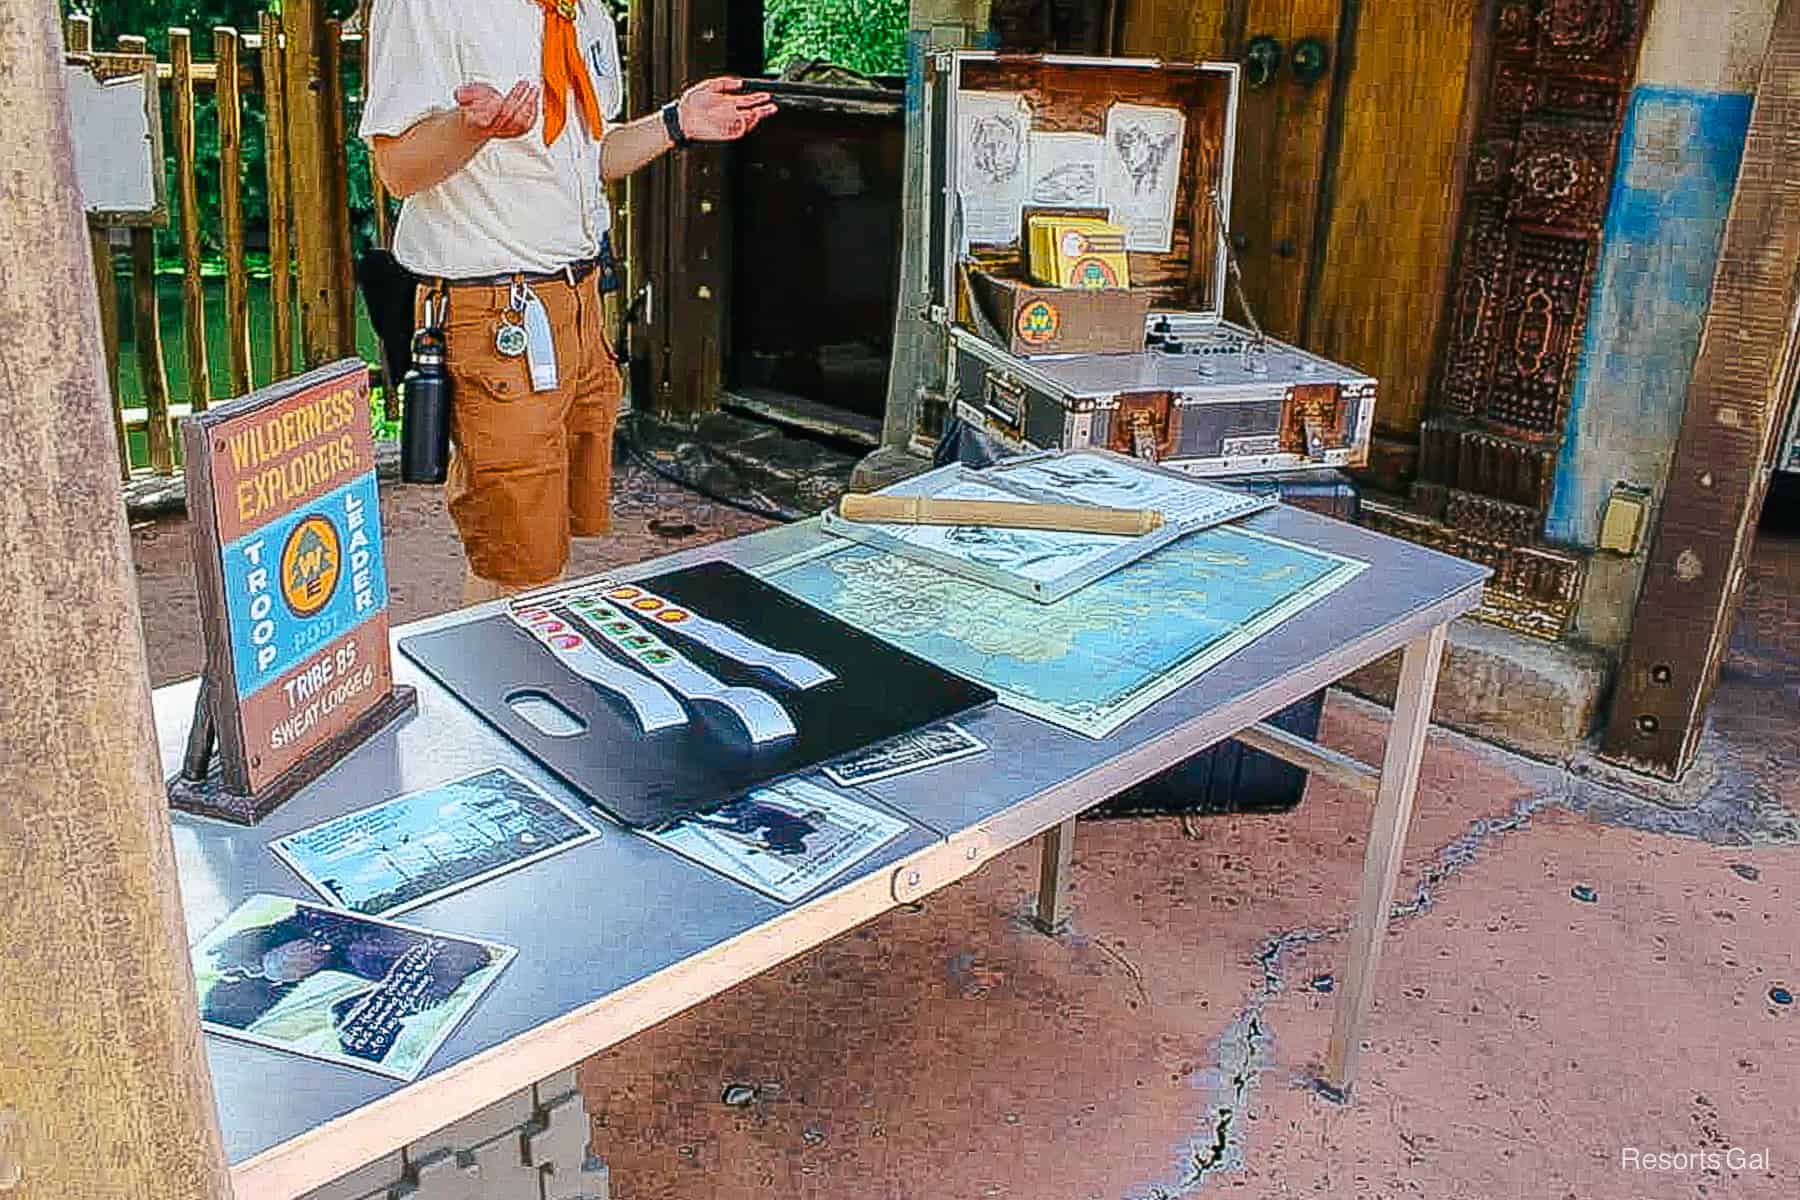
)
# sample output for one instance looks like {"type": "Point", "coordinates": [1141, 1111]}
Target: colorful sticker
{"type": "Point", "coordinates": [1038, 323]}
{"type": "Point", "coordinates": [673, 616]}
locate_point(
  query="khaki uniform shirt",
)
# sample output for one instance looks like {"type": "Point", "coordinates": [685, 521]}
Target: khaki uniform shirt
{"type": "Point", "coordinates": [518, 205]}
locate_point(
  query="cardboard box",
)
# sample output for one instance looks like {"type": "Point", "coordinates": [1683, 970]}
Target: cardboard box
{"type": "Point", "coordinates": [1029, 320]}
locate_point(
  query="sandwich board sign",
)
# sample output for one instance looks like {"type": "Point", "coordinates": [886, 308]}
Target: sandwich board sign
{"type": "Point", "coordinates": [293, 592]}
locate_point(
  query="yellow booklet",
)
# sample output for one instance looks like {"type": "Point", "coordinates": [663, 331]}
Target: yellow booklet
{"type": "Point", "coordinates": [1078, 252]}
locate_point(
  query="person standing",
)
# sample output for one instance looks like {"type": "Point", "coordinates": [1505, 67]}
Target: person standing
{"type": "Point", "coordinates": [489, 118]}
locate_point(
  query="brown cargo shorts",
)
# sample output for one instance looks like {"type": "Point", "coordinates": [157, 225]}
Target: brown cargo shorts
{"type": "Point", "coordinates": [528, 470]}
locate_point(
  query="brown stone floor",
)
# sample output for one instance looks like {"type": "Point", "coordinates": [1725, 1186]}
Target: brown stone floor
{"type": "Point", "coordinates": [1521, 1037]}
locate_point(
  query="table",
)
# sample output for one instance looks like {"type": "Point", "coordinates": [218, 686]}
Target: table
{"type": "Point", "coordinates": [617, 935]}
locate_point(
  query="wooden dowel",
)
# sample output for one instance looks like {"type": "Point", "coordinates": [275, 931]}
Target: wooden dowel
{"type": "Point", "coordinates": [78, 36]}
{"type": "Point", "coordinates": [1312, 757]}
{"type": "Point", "coordinates": [231, 206]}
{"type": "Point", "coordinates": [337, 159]}
{"type": "Point", "coordinates": [275, 161]}
{"type": "Point", "coordinates": [153, 378]}
{"type": "Point", "coordinates": [133, 43]}
{"type": "Point", "coordinates": [193, 292]}
{"type": "Point", "coordinates": [106, 283]}
{"type": "Point", "coordinates": [1067, 518]}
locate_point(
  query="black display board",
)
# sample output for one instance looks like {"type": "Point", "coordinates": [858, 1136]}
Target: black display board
{"type": "Point", "coordinates": [646, 780]}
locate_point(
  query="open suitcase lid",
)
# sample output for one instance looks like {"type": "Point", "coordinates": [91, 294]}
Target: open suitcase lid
{"type": "Point", "coordinates": [1182, 261]}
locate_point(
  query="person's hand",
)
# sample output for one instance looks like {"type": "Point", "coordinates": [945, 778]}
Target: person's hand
{"type": "Point", "coordinates": [715, 111]}
{"type": "Point", "coordinates": [489, 114]}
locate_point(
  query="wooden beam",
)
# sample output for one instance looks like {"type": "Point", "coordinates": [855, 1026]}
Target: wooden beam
{"type": "Point", "coordinates": [1744, 377]}
{"type": "Point", "coordinates": [193, 290]}
{"type": "Point", "coordinates": [275, 165]}
{"type": "Point", "coordinates": [104, 1078]}
{"type": "Point", "coordinates": [231, 206]}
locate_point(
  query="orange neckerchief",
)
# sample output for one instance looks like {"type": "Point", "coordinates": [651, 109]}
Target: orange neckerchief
{"type": "Point", "coordinates": [564, 69]}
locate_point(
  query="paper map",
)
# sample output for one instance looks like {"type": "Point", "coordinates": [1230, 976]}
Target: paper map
{"type": "Point", "coordinates": [410, 850]}
{"type": "Point", "coordinates": [337, 986]}
{"type": "Point", "coordinates": [1095, 659]}
{"type": "Point", "coordinates": [991, 174]}
{"type": "Point", "coordinates": [1142, 172]}
{"type": "Point", "coordinates": [784, 840]}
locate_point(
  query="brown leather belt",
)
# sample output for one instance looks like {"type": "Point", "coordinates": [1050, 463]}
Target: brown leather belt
{"type": "Point", "coordinates": [572, 274]}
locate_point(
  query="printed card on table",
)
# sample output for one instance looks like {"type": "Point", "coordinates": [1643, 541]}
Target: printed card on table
{"type": "Point", "coordinates": [339, 987]}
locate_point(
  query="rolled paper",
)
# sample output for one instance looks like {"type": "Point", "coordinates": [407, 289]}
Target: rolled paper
{"type": "Point", "coordinates": [999, 514]}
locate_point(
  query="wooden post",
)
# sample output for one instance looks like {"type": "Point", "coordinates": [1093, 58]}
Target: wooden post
{"type": "Point", "coordinates": [337, 164]}
{"type": "Point", "coordinates": [153, 377]}
{"type": "Point", "coordinates": [1744, 378]}
{"type": "Point", "coordinates": [314, 195]}
{"type": "Point", "coordinates": [103, 1084]}
{"type": "Point", "coordinates": [275, 161]}
{"type": "Point", "coordinates": [231, 205]}
{"type": "Point", "coordinates": [193, 292]}
{"type": "Point", "coordinates": [106, 283]}
{"type": "Point", "coordinates": [78, 34]}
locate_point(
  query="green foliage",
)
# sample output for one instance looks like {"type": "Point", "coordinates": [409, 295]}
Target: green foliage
{"type": "Point", "coordinates": [865, 35]}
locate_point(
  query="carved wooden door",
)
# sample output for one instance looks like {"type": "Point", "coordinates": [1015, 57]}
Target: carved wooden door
{"type": "Point", "coordinates": [1540, 171]}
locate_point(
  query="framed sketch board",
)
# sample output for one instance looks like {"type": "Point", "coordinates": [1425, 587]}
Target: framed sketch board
{"type": "Point", "coordinates": [1038, 564]}
{"type": "Point", "coordinates": [293, 591]}
{"type": "Point", "coordinates": [115, 119]}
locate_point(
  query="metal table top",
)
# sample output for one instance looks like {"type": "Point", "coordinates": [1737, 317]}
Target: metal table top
{"type": "Point", "coordinates": [593, 921]}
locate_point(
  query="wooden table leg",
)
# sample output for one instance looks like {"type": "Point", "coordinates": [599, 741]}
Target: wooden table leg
{"type": "Point", "coordinates": [1387, 845]}
{"type": "Point", "coordinates": [1053, 878]}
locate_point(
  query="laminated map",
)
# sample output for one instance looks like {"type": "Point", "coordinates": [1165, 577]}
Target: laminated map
{"type": "Point", "coordinates": [1095, 659]}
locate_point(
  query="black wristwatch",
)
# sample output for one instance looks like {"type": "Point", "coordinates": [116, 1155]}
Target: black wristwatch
{"type": "Point", "coordinates": [671, 115]}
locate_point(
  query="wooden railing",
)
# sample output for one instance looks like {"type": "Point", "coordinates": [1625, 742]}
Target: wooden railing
{"type": "Point", "coordinates": [241, 64]}
{"type": "Point", "coordinates": [304, 94]}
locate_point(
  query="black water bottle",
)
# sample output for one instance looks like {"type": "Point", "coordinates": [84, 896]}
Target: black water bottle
{"type": "Point", "coordinates": [425, 411]}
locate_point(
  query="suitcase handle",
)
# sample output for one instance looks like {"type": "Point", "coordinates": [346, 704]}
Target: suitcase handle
{"type": "Point", "coordinates": [1003, 400]}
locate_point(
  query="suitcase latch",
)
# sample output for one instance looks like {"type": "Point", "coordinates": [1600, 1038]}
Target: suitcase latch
{"type": "Point", "coordinates": [1313, 422]}
{"type": "Point", "coordinates": [1003, 400]}
{"type": "Point", "coordinates": [1142, 427]}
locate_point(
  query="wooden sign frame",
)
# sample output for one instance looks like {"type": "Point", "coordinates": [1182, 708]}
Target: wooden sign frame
{"type": "Point", "coordinates": [287, 546]}
{"type": "Point", "coordinates": [107, 67]}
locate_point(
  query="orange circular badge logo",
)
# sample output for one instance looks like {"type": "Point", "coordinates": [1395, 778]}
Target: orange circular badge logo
{"type": "Point", "coordinates": [672, 616]}
{"type": "Point", "coordinates": [1038, 323]}
{"type": "Point", "coordinates": [311, 563]}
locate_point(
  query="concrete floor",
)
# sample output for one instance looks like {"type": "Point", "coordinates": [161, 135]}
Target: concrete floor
{"type": "Point", "coordinates": [1574, 971]}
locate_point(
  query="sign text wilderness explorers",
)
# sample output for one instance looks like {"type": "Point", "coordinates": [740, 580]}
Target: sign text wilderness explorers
{"type": "Point", "coordinates": [293, 591]}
